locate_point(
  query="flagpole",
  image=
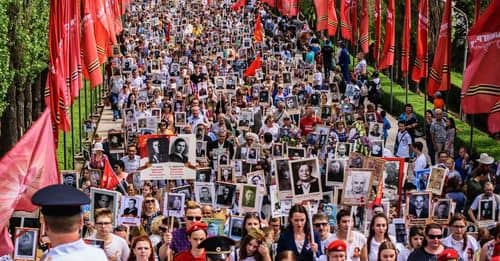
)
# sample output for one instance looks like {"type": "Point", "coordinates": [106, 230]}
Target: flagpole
{"type": "Point", "coordinates": [471, 133]}
{"type": "Point", "coordinates": [80, 117]}
{"type": "Point", "coordinates": [72, 137]}
{"type": "Point", "coordinates": [392, 96]}
{"type": "Point", "coordinates": [406, 89]}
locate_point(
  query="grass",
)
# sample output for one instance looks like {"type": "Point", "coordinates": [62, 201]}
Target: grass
{"type": "Point", "coordinates": [482, 142]}
{"type": "Point", "coordinates": [77, 126]}
{"type": "Point", "coordinates": [456, 79]}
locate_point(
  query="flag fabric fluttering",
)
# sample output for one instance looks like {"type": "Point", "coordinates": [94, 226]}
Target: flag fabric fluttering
{"type": "Point", "coordinates": [405, 48]}
{"type": "Point", "coordinates": [378, 25]}
{"type": "Point", "coordinates": [420, 64]}
{"type": "Point", "coordinates": [326, 16]}
{"type": "Point", "coordinates": [29, 166]}
{"type": "Point", "coordinates": [109, 179]}
{"type": "Point", "coordinates": [256, 64]}
{"type": "Point", "coordinates": [481, 82]}
{"type": "Point", "coordinates": [345, 20]}
{"type": "Point", "coordinates": [439, 74]}
{"type": "Point", "coordinates": [238, 5]}
{"type": "Point", "coordinates": [387, 58]}
{"type": "Point", "coordinates": [354, 20]}
{"type": "Point", "coordinates": [364, 37]}
{"type": "Point", "coordinates": [91, 69]}
{"type": "Point", "coordinates": [258, 32]}
{"type": "Point", "coordinates": [289, 8]}
{"type": "Point", "coordinates": [332, 19]}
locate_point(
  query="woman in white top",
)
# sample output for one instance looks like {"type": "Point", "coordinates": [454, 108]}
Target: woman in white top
{"type": "Point", "coordinates": [416, 237]}
{"type": "Point", "coordinates": [465, 245]}
{"type": "Point", "coordinates": [271, 127]}
{"type": "Point", "coordinates": [378, 235]}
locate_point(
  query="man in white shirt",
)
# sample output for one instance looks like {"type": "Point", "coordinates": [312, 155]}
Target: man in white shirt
{"type": "Point", "coordinates": [115, 247]}
{"type": "Point", "coordinates": [421, 161]}
{"type": "Point", "coordinates": [403, 141]}
{"type": "Point", "coordinates": [322, 227]}
{"type": "Point", "coordinates": [356, 247]}
{"type": "Point", "coordinates": [488, 194]}
{"type": "Point", "coordinates": [132, 161]}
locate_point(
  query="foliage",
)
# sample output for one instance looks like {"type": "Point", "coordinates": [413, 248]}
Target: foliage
{"type": "Point", "coordinates": [5, 73]}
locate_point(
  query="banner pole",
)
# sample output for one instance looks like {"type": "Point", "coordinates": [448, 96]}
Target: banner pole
{"type": "Point", "coordinates": [392, 96]}
{"type": "Point", "coordinates": [406, 89]}
{"type": "Point", "coordinates": [80, 117]}
{"type": "Point", "coordinates": [471, 133]}
{"type": "Point", "coordinates": [72, 138]}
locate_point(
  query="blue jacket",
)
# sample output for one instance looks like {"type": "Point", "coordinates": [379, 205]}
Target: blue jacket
{"type": "Point", "coordinates": [287, 242]}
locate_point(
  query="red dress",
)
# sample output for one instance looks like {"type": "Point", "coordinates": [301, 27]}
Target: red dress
{"type": "Point", "coordinates": [187, 256]}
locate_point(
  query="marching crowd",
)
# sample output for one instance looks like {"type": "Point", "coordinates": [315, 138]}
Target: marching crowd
{"type": "Point", "coordinates": [279, 134]}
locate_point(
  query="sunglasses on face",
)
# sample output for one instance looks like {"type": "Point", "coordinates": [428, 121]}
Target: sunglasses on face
{"type": "Point", "coordinates": [163, 229]}
{"type": "Point", "coordinates": [194, 218]}
{"type": "Point", "coordinates": [320, 225]}
{"type": "Point", "coordinates": [149, 201]}
{"type": "Point", "coordinates": [435, 236]}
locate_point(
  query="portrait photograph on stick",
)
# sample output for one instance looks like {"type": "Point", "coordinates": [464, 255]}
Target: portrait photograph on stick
{"type": "Point", "coordinates": [157, 150]}
{"type": "Point", "coordinates": [418, 207]}
{"type": "Point", "coordinates": [335, 172]}
{"type": "Point", "coordinates": [442, 211]}
{"type": "Point", "coordinates": [204, 193]}
{"type": "Point", "coordinates": [130, 210]}
{"type": "Point", "coordinates": [357, 186]}
{"type": "Point", "coordinates": [70, 178]}
{"type": "Point", "coordinates": [25, 245]}
{"type": "Point", "coordinates": [306, 180]}
{"type": "Point", "coordinates": [225, 193]}
{"type": "Point", "coordinates": [103, 198]}
{"type": "Point", "coordinates": [248, 198]}
{"type": "Point", "coordinates": [173, 204]}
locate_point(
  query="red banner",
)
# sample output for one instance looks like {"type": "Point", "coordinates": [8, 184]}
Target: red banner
{"type": "Point", "coordinates": [387, 59]}
{"type": "Point", "coordinates": [238, 5]}
{"type": "Point", "coordinates": [378, 24]}
{"type": "Point", "coordinates": [321, 7]}
{"type": "Point", "coordinates": [364, 37]}
{"type": "Point", "coordinates": [271, 3]}
{"type": "Point", "coordinates": [354, 20]}
{"type": "Point", "coordinates": [258, 32]}
{"type": "Point", "coordinates": [26, 168]}
{"type": "Point", "coordinates": [256, 64]}
{"type": "Point", "coordinates": [109, 178]}
{"type": "Point", "coordinates": [289, 8]}
{"type": "Point", "coordinates": [405, 49]}
{"type": "Point", "coordinates": [494, 119]}
{"type": "Point", "coordinates": [345, 21]}
{"type": "Point", "coordinates": [481, 83]}
{"type": "Point", "coordinates": [89, 49]}
{"type": "Point", "coordinates": [421, 59]}
{"type": "Point", "coordinates": [439, 74]}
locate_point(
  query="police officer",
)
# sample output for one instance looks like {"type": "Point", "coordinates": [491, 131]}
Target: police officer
{"type": "Point", "coordinates": [217, 248]}
{"type": "Point", "coordinates": [61, 209]}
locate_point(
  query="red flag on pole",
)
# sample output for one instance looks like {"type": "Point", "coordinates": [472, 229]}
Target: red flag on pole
{"type": "Point", "coordinates": [109, 179]}
{"type": "Point", "coordinates": [378, 25]}
{"type": "Point", "coordinates": [271, 3]}
{"type": "Point", "coordinates": [258, 33]}
{"type": "Point", "coordinates": [481, 83]}
{"type": "Point", "coordinates": [238, 5]}
{"type": "Point", "coordinates": [321, 7]}
{"type": "Point", "coordinates": [364, 37]}
{"type": "Point", "coordinates": [29, 166]}
{"type": "Point", "coordinates": [494, 119]}
{"type": "Point", "coordinates": [345, 21]}
{"type": "Point", "coordinates": [256, 64]}
{"type": "Point", "coordinates": [75, 58]}
{"type": "Point", "coordinates": [439, 74]}
{"type": "Point", "coordinates": [387, 59]}
{"type": "Point", "coordinates": [289, 8]}
{"type": "Point", "coordinates": [354, 20]}
{"type": "Point", "coordinates": [405, 49]}
{"type": "Point", "coordinates": [421, 59]}
{"type": "Point", "coordinates": [91, 68]}
{"type": "Point", "coordinates": [332, 18]}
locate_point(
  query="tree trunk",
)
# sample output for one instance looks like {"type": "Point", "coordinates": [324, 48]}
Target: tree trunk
{"type": "Point", "coordinates": [9, 123]}
{"type": "Point", "coordinates": [20, 110]}
{"type": "Point", "coordinates": [28, 105]}
{"type": "Point", "coordinates": [435, 13]}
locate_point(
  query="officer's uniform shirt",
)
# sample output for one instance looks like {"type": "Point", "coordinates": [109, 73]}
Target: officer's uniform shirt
{"type": "Point", "coordinates": [75, 251]}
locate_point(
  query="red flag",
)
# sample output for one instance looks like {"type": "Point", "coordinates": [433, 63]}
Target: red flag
{"type": "Point", "coordinates": [388, 52]}
{"type": "Point", "coordinates": [256, 64]}
{"type": "Point", "coordinates": [321, 7]}
{"type": "Point", "coordinates": [289, 8]}
{"type": "Point", "coordinates": [332, 18]}
{"type": "Point", "coordinates": [494, 119]}
{"type": "Point", "coordinates": [258, 33]}
{"type": "Point", "coordinates": [364, 37]}
{"type": "Point", "coordinates": [26, 168]}
{"type": "Point", "coordinates": [238, 5]}
{"type": "Point", "coordinates": [89, 50]}
{"type": "Point", "coordinates": [405, 49]}
{"type": "Point", "coordinates": [100, 30]}
{"type": "Point", "coordinates": [439, 74]}
{"type": "Point", "coordinates": [354, 20]}
{"type": "Point", "coordinates": [477, 9]}
{"type": "Point", "coordinates": [116, 14]}
{"type": "Point", "coordinates": [345, 21]}
{"type": "Point", "coordinates": [378, 24]}
{"type": "Point", "coordinates": [109, 179]}
{"type": "Point", "coordinates": [421, 60]}
{"type": "Point", "coordinates": [271, 3]}
{"type": "Point", "coordinates": [75, 63]}
{"type": "Point", "coordinates": [481, 83]}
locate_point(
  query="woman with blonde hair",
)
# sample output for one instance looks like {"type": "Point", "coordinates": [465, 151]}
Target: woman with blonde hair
{"type": "Point", "coordinates": [387, 251]}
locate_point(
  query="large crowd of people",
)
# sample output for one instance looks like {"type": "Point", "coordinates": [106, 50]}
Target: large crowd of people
{"type": "Point", "coordinates": [280, 145]}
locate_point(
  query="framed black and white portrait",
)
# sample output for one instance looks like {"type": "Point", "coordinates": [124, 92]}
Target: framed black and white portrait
{"type": "Point", "coordinates": [175, 69]}
{"type": "Point", "coordinates": [203, 175]}
{"type": "Point", "coordinates": [376, 131]}
{"type": "Point", "coordinates": [253, 155]}
{"type": "Point", "coordinates": [25, 245]}
{"type": "Point", "coordinates": [186, 190]}
{"type": "Point", "coordinates": [442, 210]}
{"type": "Point", "coordinates": [283, 174]}
{"type": "Point", "coordinates": [204, 193]}
{"type": "Point", "coordinates": [182, 149]}
{"type": "Point", "coordinates": [220, 82]}
{"type": "Point", "coordinates": [342, 150]}
{"type": "Point", "coordinates": [225, 193]}
{"type": "Point", "coordinates": [335, 172]}
{"type": "Point", "coordinates": [486, 210]}
{"type": "Point", "coordinates": [370, 117]}
{"type": "Point", "coordinates": [356, 160]}
{"type": "Point", "coordinates": [435, 183]}
{"type": "Point", "coordinates": [419, 206]}
{"type": "Point", "coordinates": [236, 227]}
{"type": "Point", "coordinates": [306, 180]}
{"type": "Point", "coordinates": [231, 83]}
{"type": "Point", "coordinates": [225, 173]}
{"type": "Point", "coordinates": [116, 140]}
{"type": "Point", "coordinates": [357, 186]}
{"type": "Point", "coordinates": [157, 150]}
{"type": "Point", "coordinates": [180, 119]}
{"type": "Point", "coordinates": [223, 159]}
{"type": "Point", "coordinates": [130, 210]}
{"type": "Point", "coordinates": [292, 104]}
{"type": "Point", "coordinates": [257, 178]}
{"type": "Point", "coordinates": [103, 198]}
{"type": "Point", "coordinates": [238, 167]}
{"type": "Point", "coordinates": [277, 150]}
{"type": "Point", "coordinates": [248, 198]}
{"type": "Point", "coordinates": [201, 150]}
{"type": "Point", "coordinates": [173, 204]}
{"type": "Point", "coordinates": [377, 148]}
{"type": "Point", "coordinates": [296, 152]}
{"type": "Point", "coordinates": [70, 178]}
{"type": "Point", "coordinates": [264, 98]}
